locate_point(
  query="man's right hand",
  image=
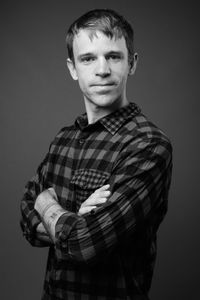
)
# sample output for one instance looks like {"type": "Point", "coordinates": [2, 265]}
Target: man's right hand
{"type": "Point", "coordinates": [99, 197]}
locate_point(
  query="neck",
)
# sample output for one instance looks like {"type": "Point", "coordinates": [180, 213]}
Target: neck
{"type": "Point", "coordinates": [96, 112]}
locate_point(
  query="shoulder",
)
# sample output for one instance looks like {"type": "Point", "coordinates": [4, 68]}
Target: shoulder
{"type": "Point", "coordinates": [141, 133]}
{"type": "Point", "coordinates": [63, 136]}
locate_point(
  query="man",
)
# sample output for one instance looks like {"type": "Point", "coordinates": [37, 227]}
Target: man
{"type": "Point", "coordinates": [100, 194]}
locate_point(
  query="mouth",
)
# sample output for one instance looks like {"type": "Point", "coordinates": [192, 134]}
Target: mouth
{"type": "Point", "coordinates": [103, 84]}
{"type": "Point", "coordinates": [103, 88]}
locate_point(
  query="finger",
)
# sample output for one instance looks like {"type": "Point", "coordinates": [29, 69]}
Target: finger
{"type": "Point", "coordinates": [85, 210]}
{"type": "Point", "coordinates": [104, 187]}
{"type": "Point", "coordinates": [100, 201]}
{"type": "Point", "coordinates": [104, 194]}
{"type": "Point", "coordinates": [100, 194]}
{"type": "Point", "coordinates": [94, 201]}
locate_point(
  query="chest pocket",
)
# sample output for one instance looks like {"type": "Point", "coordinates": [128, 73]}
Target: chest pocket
{"type": "Point", "coordinates": [85, 182]}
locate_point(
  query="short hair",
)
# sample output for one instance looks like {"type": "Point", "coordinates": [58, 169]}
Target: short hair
{"type": "Point", "coordinates": [107, 21]}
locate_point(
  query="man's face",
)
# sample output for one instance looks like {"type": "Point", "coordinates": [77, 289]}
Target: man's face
{"type": "Point", "coordinates": [101, 68]}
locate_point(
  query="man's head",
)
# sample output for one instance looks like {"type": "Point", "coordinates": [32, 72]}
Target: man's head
{"type": "Point", "coordinates": [101, 57]}
{"type": "Point", "coordinates": [106, 21]}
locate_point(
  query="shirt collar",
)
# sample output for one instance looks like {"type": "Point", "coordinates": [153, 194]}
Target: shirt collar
{"type": "Point", "coordinates": [113, 121]}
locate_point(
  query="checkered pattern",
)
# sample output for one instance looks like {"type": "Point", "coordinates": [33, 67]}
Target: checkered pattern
{"type": "Point", "coordinates": [109, 254]}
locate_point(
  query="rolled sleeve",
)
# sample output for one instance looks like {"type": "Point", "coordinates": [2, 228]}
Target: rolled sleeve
{"type": "Point", "coordinates": [30, 219]}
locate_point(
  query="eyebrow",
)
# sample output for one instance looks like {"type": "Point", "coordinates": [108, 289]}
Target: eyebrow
{"type": "Point", "coordinates": [120, 53]}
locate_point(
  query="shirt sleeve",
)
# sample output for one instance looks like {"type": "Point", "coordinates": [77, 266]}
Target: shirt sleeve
{"type": "Point", "coordinates": [29, 216]}
{"type": "Point", "coordinates": [139, 182]}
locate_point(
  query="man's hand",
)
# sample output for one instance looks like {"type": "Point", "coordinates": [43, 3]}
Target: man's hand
{"type": "Point", "coordinates": [42, 234]}
{"type": "Point", "coordinates": [98, 198]}
{"type": "Point", "coordinates": [49, 210]}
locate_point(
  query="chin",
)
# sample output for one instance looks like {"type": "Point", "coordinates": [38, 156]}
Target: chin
{"type": "Point", "coordinates": [105, 101]}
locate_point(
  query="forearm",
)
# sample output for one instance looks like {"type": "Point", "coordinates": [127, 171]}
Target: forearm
{"type": "Point", "coordinates": [85, 239]}
{"type": "Point", "coordinates": [35, 228]}
{"type": "Point", "coordinates": [30, 219]}
{"type": "Point", "coordinates": [135, 201]}
{"type": "Point", "coordinates": [50, 211]}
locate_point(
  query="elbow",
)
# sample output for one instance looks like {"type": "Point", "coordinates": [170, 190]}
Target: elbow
{"type": "Point", "coordinates": [75, 252]}
{"type": "Point", "coordinates": [29, 233]}
{"type": "Point", "coordinates": [73, 243]}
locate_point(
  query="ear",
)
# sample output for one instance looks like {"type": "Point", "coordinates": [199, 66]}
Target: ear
{"type": "Point", "coordinates": [72, 69]}
{"type": "Point", "coordinates": [133, 64]}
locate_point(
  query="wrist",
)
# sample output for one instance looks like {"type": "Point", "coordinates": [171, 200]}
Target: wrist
{"type": "Point", "coordinates": [50, 216]}
{"type": "Point", "coordinates": [49, 210]}
{"type": "Point", "coordinates": [45, 200]}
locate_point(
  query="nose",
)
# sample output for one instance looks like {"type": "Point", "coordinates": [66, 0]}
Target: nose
{"type": "Point", "coordinates": [103, 68]}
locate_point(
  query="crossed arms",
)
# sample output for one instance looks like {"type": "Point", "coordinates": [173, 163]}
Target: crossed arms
{"type": "Point", "coordinates": [50, 211]}
{"type": "Point", "coordinates": [139, 186]}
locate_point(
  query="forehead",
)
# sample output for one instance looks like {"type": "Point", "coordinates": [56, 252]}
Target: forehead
{"type": "Point", "coordinates": [96, 41]}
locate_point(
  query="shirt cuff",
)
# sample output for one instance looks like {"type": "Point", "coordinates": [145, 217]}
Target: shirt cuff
{"type": "Point", "coordinates": [64, 225]}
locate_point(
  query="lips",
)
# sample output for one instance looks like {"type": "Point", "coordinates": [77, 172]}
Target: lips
{"type": "Point", "coordinates": [103, 84]}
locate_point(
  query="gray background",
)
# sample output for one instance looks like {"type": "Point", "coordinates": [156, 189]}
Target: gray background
{"type": "Point", "coordinates": [38, 97]}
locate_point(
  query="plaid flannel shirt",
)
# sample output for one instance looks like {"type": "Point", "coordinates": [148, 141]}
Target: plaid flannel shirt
{"type": "Point", "coordinates": [109, 253]}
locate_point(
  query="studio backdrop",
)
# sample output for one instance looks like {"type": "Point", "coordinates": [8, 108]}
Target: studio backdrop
{"type": "Point", "coordinates": [38, 98]}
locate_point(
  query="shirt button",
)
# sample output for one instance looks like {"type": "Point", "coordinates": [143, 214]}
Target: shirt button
{"type": "Point", "coordinates": [81, 141]}
{"type": "Point", "coordinates": [63, 236]}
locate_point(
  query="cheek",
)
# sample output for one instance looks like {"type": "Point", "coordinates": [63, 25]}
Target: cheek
{"type": "Point", "coordinates": [123, 79]}
{"type": "Point", "coordinates": [83, 83]}
{"type": "Point", "coordinates": [121, 72]}
{"type": "Point", "coordinates": [83, 76]}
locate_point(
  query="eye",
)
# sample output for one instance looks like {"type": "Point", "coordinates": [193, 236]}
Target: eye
{"type": "Point", "coordinates": [114, 57]}
{"type": "Point", "coordinates": [87, 59]}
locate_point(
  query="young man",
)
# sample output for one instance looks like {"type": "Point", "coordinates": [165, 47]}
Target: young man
{"type": "Point", "coordinates": [100, 194]}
